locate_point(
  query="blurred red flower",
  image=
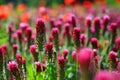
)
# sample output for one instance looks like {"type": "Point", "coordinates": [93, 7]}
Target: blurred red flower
{"type": "Point", "coordinates": [4, 12]}
{"type": "Point", "coordinates": [68, 2]}
{"type": "Point", "coordinates": [25, 17]}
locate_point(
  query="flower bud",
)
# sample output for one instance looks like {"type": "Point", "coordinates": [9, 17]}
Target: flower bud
{"type": "Point", "coordinates": [65, 53]}
{"type": "Point", "coordinates": [106, 19]}
{"type": "Point", "coordinates": [61, 63]}
{"type": "Point", "coordinates": [55, 38]}
{"type": "Point", "coordinates": [58, 24]}
{"type": "Point", "coordinates": [50, 37]}
{"type": "Point", "coordinates": [20, 38]}
{"type": "Point", "coordinates": [52, 22]}
{"type": "Point", "coordinates": [73, 20]}
{"type": "Point", "coordinates": [38, 67]}
{"type": "Point", "coordinates": [97, 25]}
{"type": "Point", "coordinates": [40, 33]}
{"type": "Point", "coordinates": [94, 42]}
{"type": "Point", "coordinates": [88, 21]}
{"type": "Point", "coordinates": [13, 68]}
{"type": "Point", "coordinates": [117, 42]}
{"type": "Point", "coordinates": [4, 49]}
{"type": "Point", "coordinates": [112, 56]}
{"type": "Point", "coordinates": [113, 60]}
{"type": "Point", "coordinates": [84, 59]}
{"type": "Point", "coordinates": [34, 52]}
{"type": "Point", "coordinates": [1, 61]}
{"type": "Point", "coordinates": [113, 27]}
{"type": "Point", "coordinates": [67, 33]}
{"type": "Point", "coordinates": [14, 36]}
{"type": "Point", "coordinates": [19, 58]}
{"type": "Point", "coordinates": [76, 35]}
{"type": "Point", "coordinates": [103, 75]}
{"type": "Point", "coordinates": [74, 55]}
{"type": "Point", "coordinates": [29, 32]}
{"type": "Point", "coordinates": [14, 48]}
{"type": "Point", "coordinates": [23, 26]}
{"type": "Point", "coordinates": [83, 39]}
{"type": "Point", "coordinates": [33, 49]}
{"type": "Point", "coordinates": [11, 78]}
{"type": "Point", "coordinates": [19, 34]}
{"type": "Point", "coordinates": [49, 49]}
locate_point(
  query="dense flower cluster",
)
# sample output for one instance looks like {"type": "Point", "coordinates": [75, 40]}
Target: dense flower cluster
{"type": "Point", "coordinates": [65, 43]}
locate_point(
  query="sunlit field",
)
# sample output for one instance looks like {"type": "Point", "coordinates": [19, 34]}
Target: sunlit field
{"type": "Point", "coordinates": [60, 40]}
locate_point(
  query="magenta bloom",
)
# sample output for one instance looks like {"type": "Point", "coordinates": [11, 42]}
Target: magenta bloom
{"type": "Point", "coordinates": [33, 49]}
{"type": "Point", "coordinates": [65, 52]}
{"type": "Point", "coordinates": [38, 67]}
{"type": "Point", "coordinates": [73, 20]}
{"type": "Point", "coordinates": [113, 27]}
{"type": "Point", "coordinates": [49, 50]}
{"type": "Point", "coordinates": [76, 35]}
{"type": "Point", "coordinates": [83, 39]}
{"type": "Point", "coordinates": [103, 75]}
{"type": "Point", "coordinates": [61, 60]}
{"type": "Point", "coordinates": [29, 32]}
{"type": "Point", "coordinates": [23, 61]}
{"type": "Point", "coordinates": [74, 55]}
{"type": "Point", "coordinates": [84, 58]}
{"type": "Point", "coordinates": [19, 34]}
{"type": "Point", "coordinates": [50, 37]}
{"type": "Point", "coordinates": [106, 19]}
{"type": "Point", "coordinates": [112, 56]}
{"type": "Point", "coordinates": [23, 26]}
{"type": "Point", "coordinates": [105, 22]}
{"type": "Point", "coordinates": [117, 42]}
{"type": "Point", "coordinates": [58, 24]}
{"type": "Point", "coordinates": [94, 43]}
{"type": "Point", "coordinates": [4, 49]}
{"type": "Point", "coordinates": [52, 22]}
{"type": "Point", "coordinates": [97, 22]}
{"type": "Point", "coordinates": [10, 28]}
{"type": "Point", "coordinates": [49, 47]}
{"type": "Point", "coordinates": [13, 67]}
{"type": "Point", "coordinates": [15, 47]}
{"type": "Point", "coordinates": [34, 52]}
{"type": "Point", "coordinates": [19, 58]}
{"type": "Point", "coordinates": [40, 33]}
{"type": "Point", "coordinates": [97, 25]}
{"type": "Point", "coordinates": [11, 78]}
{"type": "Point", "coordinates": [1, 59]}
{"type": "Point", "coordinates": [55, 34]}
{"type": "Point", "coordinates": [67, 33]}
{"type": "Point", "coordinates": [40, 26]}
{"type": "Point", "coordinates": [88, 21]}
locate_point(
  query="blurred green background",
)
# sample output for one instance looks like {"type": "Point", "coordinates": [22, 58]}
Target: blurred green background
{"type": "Point", "coordinates": [34, 3]}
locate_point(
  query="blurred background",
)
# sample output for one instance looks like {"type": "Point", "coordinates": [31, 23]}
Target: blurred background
{"type": "Point", "coordinates": [34, 3]}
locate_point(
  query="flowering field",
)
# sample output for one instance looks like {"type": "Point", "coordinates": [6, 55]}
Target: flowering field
{"type": "Point", "coordinates": [63, 43]}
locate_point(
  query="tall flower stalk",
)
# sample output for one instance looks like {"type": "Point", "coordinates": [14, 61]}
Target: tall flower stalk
{"type": "Point", "coordinates": [20, 40]}
{"type": "Point", "coordinates": [67, 33]}
{"type": "Point", "coordinates": [55, 38]}
{"type": "Point", "coordinates": [88, 24]}
{"type": "Point", "coordinates": [40, 34]}
{"type": "Point", "coordinates": [1, 63]}
{"type": "Point", "coordinates": [61, 63]}
{"type": "Point", "coordinates": [29, 37]}
{"type": "Point", "coordinates": [97, 25]}
{"type": "Point", "coordinates": [76, 35]}
{"type": "Point", "coordinates": [13, 68]}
